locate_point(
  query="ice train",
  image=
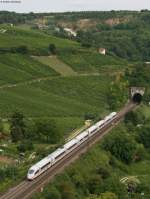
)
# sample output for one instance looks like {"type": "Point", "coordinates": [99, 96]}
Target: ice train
{"type": "Point", "coordinates": [60, 153]}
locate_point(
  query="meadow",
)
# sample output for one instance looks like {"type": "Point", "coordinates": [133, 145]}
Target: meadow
{"type": "Point", "coordinates": [87, 61]}
{"type": "Point", "coordinates": [36, 41]}
{"type": "Point", "coordinates": [15, 68]}
{"type": "Point", "coordinates": [60, 97]}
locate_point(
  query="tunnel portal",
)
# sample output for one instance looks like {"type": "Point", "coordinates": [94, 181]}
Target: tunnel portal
{"type": "Point", "coordinates": [136, 94]}
{"type": "Point", "coordinates": [137, 98]}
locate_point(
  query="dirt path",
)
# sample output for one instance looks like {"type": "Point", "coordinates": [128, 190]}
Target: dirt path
{"type": "Point", "coordinates": [5, 159]}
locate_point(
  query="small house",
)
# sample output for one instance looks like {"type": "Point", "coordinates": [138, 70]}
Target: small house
{"type": "Point", "coordinates": [102, 51]}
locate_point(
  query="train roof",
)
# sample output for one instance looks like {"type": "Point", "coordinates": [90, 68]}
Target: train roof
{"type": "Point", "coordinates": [100, 122]}
{"type": "Point", "coordinates": [41, 163]}
{"type": "Point", "coordinates": [82, 135]}
{"type": "Point", "coordinates": [92, 128]}
{"type": "Point", "coordinates": [70, 143]}
{"type": "Point", "coordinates": [57, 152]}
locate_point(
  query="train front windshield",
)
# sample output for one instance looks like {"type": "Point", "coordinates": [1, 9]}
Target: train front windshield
{"type": "Point", "coordinates": [31, 172]}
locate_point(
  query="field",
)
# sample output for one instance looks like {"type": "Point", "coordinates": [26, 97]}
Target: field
{"type": "Point", "coordinates": [36, 41]}
{"type": "Point", "coordinates": [15, 68]}
{"type": "Point", "coordinates": [56, 64]}
{"type": "Point", "coordinates": [84, 61]}
{"type": "Point", "coordinates": [58, 97]}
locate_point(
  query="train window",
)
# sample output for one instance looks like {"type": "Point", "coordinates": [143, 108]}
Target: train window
{"type": "Point", "coordinates": [72, 146]}
{"type": "Point", "coordinates": [37, 172]}
{"type": "Point", "coordinates": [60, 155]}
{"type": "Point", "coordinates": [45, 165]}
{"type": "Point", "coordinates": [31, 171]}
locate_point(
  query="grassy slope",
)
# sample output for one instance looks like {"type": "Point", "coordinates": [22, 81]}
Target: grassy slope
{"type": "Point", "coordinates": [57, 97]}
{"type": "Point", "coordinates": [90, 61]}
{"type": "Point", "coordinates": [56, 64]}
{"type": "Point", "coordinates": [31, 38]}
{"type": "Point", "coordinates": [16, 68]}
{"type": "Point", "coordinates": [65, 99]}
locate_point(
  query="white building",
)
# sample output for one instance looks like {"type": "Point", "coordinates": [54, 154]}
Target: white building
{"type": "Point", "coordinates": [70, 32]}
{"type": "Point", "coordinates": [102, 51]}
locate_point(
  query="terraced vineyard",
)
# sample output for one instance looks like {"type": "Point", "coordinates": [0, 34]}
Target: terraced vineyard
{"type": "Point", "coordinates": [34, 84]}
{"type": "Point", "coordinates": [36, 41]}
{"type": "Point", "coordinates": [84, 61]}
{"type": "Point", "coordinates": [15, 68]}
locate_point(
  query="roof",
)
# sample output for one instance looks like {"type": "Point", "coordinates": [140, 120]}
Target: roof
{"type": "Point", "coordinates": [82, 135]}
{"type": "Point", "coordinates": [70, 143]}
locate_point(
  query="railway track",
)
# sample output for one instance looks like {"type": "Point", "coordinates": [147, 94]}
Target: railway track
{"type": "Point", "coordinates": [25, 189]}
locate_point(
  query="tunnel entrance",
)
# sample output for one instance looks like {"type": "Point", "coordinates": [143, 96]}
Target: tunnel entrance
{"type": "Point", "coordinates": [137, 98]}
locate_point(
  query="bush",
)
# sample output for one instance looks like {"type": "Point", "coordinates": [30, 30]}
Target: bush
{"type": "Point", "coordinates": [52, 49]}
{"type": "Point", "coordinates": [144, 136]}
{"type": "Point", "coordinates": [25, 146]}
{"type": "Point", "coordinates": [22, 49]}
{"type": "Point", "coordinates": [121, 146]}
{"type": "Point", "coordinates": [53, 193]}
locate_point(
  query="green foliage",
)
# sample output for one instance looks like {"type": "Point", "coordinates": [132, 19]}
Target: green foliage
{"type": "Point", "coordinates": [104, 172]}
{"type": "Point", "coordinates": [52, 49]}
{"type": "Point", "coordinates": [22, 50]}
{"type": "Point", "coordinates": [52, 193]}
{"type": "Point", "coordinates": [108, 195]}
{"type": "Point", "coordinates": [15, 68]}
{"type": "Point", "coordinates": [139, 76]}
{"type": "Point", "coordinates": [67, 191]}
{"type": "Point", "coordinates": [1, 126]}
{"type": "Point", "coordinates": [24, 146]}
{"type": "Point", "coordinates": [135, 117]}
{"type": "Point", "coordinates": [116, 95]}
{"type": "Point", "coordinates": [36, 41]}
{"type": "Point", "coordinates": [121, 146]}
{"type": "Point", "coordinates": [90, 61]}
{"type": "Point", "coordinates": [144, 136]}
{"type": "Point", "coordinates": [15, 18]}
{"type": "Point", "coordinates": [47, 131]}
{"type": "Point", "coordinates": [94, 184]}
{"type": "Point", "coordinates": [8, 172]}
{"type": "Point", "coordinates": [17, 126]}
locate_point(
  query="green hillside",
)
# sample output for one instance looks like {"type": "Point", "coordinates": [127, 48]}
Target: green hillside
{"type": "Point", "coordinates": [90, 61]}
{"type": "Point", "coordinates": [60, 90]}
{"type": "Point", "coordinates": [60, 97]}
{"type": "Point", "coordinates": [16, 68]}
{"type": "Point", "coordinates": [36, 41]}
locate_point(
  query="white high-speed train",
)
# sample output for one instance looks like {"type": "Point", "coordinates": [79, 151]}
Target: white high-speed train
{"type": "Point", "coordinates": [57, 155]}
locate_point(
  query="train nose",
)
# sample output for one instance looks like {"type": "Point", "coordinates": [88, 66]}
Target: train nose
{"type": "Point", "coordinates": [30, 177]}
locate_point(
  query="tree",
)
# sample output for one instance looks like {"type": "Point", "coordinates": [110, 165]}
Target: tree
{"type": "Point", "coordinates": [104, 172]}
{"type": "Point", "coordinates": [94, 184]}
{"type": "Point", "coordinates": [144, 136]}
{"type": "Point", "coordinates": [52, 49]}
{"type": "Point", "coordinates": [121, 146]}
{"type": "Point", "coordinates": [116, 94]}
{"type": "Point", "coordinates": [48, 131]}
{"type": "Point", "coordinates": [53, 193]}
{"type": "Point", "coordinates": [22, 49]}
{"type": "Point", "coordinates": [67, 191]}
{"type": "Point", "coordinates": [25, 146]}
{"type": "Point", "coordinates": [1, 126]}
{"type": "Point", "coordinates": [135, 117]}
{"type": "Point", "coordinates": [17, 126]}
